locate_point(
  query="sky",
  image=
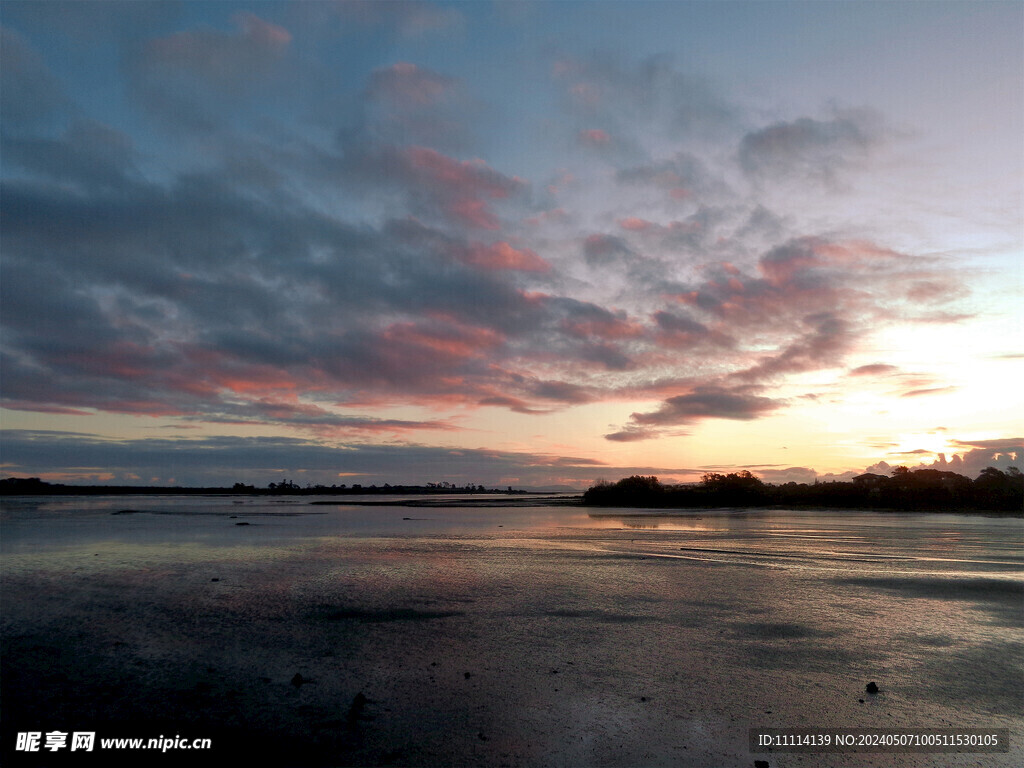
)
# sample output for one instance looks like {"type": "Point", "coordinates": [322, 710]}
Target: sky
{"type": "Point", "coordinates": [526, 244]}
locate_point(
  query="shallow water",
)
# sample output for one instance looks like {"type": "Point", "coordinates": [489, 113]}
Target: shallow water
{"type": "Point", "coordinates": [522, 635]}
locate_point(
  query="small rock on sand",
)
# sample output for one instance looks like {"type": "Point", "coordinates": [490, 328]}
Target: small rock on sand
{"type": "Point", "coordinates": [871, 687]}
{"type": "Point", "coordinates": [760, 764]}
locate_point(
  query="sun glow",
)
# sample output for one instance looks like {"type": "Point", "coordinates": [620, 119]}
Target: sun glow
{"type": "Point", "coordinates": [922, 445]}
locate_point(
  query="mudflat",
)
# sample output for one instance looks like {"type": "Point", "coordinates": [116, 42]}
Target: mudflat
{"type": "Point", "coordinates": [520, 636]}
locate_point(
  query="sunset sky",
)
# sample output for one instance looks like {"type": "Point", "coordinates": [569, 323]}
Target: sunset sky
{"type": "Point", "coordinates": [509, 243]}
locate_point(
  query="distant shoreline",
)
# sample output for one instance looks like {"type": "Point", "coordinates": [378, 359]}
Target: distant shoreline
{"type": "Point", "coordinates": [14, 486]}
{"type": "Point", "coordinates": [637, 509]}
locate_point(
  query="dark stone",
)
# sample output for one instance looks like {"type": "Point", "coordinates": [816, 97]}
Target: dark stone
{"type": "Point", "coordinates": [298, 680]}
{"type": "Point", "coordinates": [871, 687]}
{"type": "Point", "coordinates": [481, 736]}
{"type": "Point", "coordinates": [241, 523]}
{"type": "Point", "coordinates": [467, 675]}
{"type": "Point", "coordinates": [760, 764]}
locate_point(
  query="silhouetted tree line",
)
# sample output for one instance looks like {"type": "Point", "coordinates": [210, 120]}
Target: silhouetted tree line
{"type": "Point", "coordinates": [920, 489]}
{"type": "Point", "coordinates": [33, 486]}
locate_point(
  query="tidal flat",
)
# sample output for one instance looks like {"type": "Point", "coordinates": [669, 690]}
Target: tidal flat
{"type": "Point", "coordinates": [537, 634]}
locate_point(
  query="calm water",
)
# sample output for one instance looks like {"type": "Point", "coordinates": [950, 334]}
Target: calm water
{"type": "Point", "coordinates": [848, 542]}
{"type": "Point", "coordinates": [524, 635]}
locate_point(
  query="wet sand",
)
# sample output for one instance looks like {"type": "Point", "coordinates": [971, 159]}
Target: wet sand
{"type": "Point", "coordinates": [519, 637]}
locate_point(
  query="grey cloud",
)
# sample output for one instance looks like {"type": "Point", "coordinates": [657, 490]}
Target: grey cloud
{"type": "Point", "coordinates": [561, 391]}
{"type": "Point", "coordinates": [619, 95]}
{"type": "Point", "coordinates": [203, 78]}
{"type": "Point", "coordinates": [631, 434]}
{"type": "Point", "coordinates": [674, 323]}
{"type": "Point", "coordinates": [788, 475]}
{"type": "Point", "coordinates": [90, 24]}
{"type": "Point", "coordinates": [602, 250]}
{"type": "Point", "coordinates": [445, 189]}
{"type": "Point", "coordinates": [682, 176]}
{"type": "Point", "coordinates": [314, 418]}
{"type": "Point", "coordinates": [874, 369]}
{"type": "Point", "coordinates": [928, 391]}
{"type": "Point", "coordinates": [611, 358]}
{"type": "Point", "coordinates": [89, 154]}
{"type": "Point", "coordinates": [408, 105]}
{"type": "Point", "coordinates": [704, 402]}
{"type": "Point", "coordinates": [708, 402]}
{"type": "Point", "coordinates": [161, 298]}
{"type": "Point", "coordinates": [821, 347]}
{"type": "Point", "coordinates": [809, 148]}
{"type": "Point", "coordinates": [29, 93]}
{"type": "Point", "coordinates": [1015, 444]}
{"type": "Point", "coordinates": [224, 460]}
{"type": "Point", "coordinates": [514, 404]}
{"type": "Point", "coordinates": [762, 225]}
{"type": "Point", "coordinates": [1001, 454]}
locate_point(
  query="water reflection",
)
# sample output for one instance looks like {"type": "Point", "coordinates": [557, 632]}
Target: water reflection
{"type": "Point", "coordinates": [718, 614]}
{"type": "Point", "coordinates": [254, 526]}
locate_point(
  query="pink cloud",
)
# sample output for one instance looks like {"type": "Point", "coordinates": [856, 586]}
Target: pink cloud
{"type": "Point", "coordinates": [465, 186]}
{"type": "Point", "coordinates": [473, 213]}
{"type": "Point", "coordinates": [263, 32]}
{"type": "Point", "coordinates": [502, 256]}
{"type": "Point", "coordinates": [931, 291]}
{"type": "Point", "coordinates": [408, 84]}
{"type": "Point", "coordinates": [553, 216]}
{"type": "Point", "coordinates": [605, 328]}
{"type": "Point", "coordinates": [28, 405]}
{"type": "Point", "coordinates": [220, 57]}
{"type": "Point", "coordinates": [443, 341]}
{"type": "Point", "coordinates": [875, 369]}
{"type": "Point", "coordinates": [635, 224]}
{"type": "Point", "coordinates": [514, 404]}
{"type": "Point", "coordinates": [928, 391]}
{"type": "Point", "coordinates": [594, 137]}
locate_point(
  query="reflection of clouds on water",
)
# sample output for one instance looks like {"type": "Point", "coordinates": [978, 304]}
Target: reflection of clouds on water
{"type": "Point", "coordinates": [634, 633]}
{"type": "Point", "coordinates": [1003, 598]}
